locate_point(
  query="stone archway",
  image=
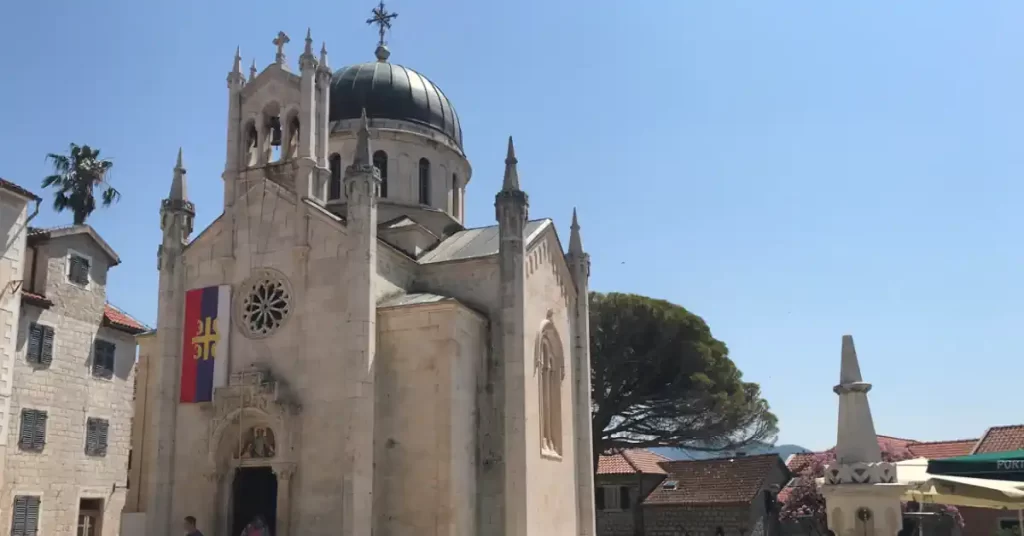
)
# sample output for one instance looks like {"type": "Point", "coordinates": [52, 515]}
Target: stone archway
{"type": "Point", "coordinates": [253, 427]}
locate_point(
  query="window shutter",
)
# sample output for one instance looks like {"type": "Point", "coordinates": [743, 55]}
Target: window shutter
{"type": "Point", "coordinates": [102, 427]}
{"type": "Point", "coordinates": [32, 516]}
{"type": "Point", "coordinates": [624, 497]}
{"type": "Point", "coordinates": [20, 516]}
{"type": "Point", "coordinates": [599, 498]}
{"type": "Point", "coordinates": [27, 430]}
{"type": "Point", "coordinates": [90, 437]}
{"type": "Point", "coordinates": [39, 437]}
{"type": "Point", "coordinates": [35, 342]}
{"type": "Point", "coordinates": [46, 352]}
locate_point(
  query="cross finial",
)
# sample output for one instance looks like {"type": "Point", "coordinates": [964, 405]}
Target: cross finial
{"type": "Point", "coordinates": [280, 41]}
{"type": "Point", "coordinates": [382, 19]}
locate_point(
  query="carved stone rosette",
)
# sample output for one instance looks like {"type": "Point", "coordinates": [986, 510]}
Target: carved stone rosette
{"type": "Point", "coordinates": [860, 473]}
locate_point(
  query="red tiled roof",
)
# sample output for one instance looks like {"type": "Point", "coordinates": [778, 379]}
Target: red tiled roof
{"type": "Point", "coordinates": [119, 319]}
{"type": "Point", "coordinates": [1001, 439]}
{"type": "Point", "coordinates": [631, 461]}
{"type": "Point", "coordinates": [942, 449]}
{"type": "Point", "coordinates": [716, 481]}
{"type": "Point", "coordinates": [8, 185]}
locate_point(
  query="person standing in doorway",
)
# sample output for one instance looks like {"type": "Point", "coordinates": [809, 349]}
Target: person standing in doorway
{"type": "Point", "coordinates": [190, 527]}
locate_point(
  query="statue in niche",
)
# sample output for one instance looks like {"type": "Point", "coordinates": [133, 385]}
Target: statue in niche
{"type": "Point", "coordinates": [258, 442]}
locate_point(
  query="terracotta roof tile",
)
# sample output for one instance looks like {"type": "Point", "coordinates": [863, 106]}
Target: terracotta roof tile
{"type": "Point", "coordinates": [8, 185]}
{"type": "Point", "coordinates": [1001, 439]}
{"type": "Point", "coordinates": [942, 449]}
{"type": "Point", "coordinates": [715, 481]}
{"type": "Point", "coordinates": [121, 320]}
{"type": "Point", "coordinates": [631, 461]}
{"type": "Point", "coordinates": [35, 299]}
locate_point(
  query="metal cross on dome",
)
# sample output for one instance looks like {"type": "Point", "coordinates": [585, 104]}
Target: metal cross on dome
{"type": "Point", "coordinates": [382, 19]}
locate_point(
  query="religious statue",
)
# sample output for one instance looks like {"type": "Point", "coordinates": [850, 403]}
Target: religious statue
{"type": "Point", "coordinates": [259, 443]}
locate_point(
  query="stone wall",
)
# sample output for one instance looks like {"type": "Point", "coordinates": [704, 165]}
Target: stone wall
{"type": "Point", "coordinates": [62, 474]}
{"type": "Point", "coordinates": [673, 520]}
{"type": "Point", "coordinates": [12, 265]}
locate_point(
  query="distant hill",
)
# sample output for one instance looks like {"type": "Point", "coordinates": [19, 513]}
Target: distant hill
{"type": "Point", "coordinates": [784, 451]}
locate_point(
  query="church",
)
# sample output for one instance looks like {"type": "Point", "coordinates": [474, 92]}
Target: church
{"type": "Point", "coordinates": [336, 353]}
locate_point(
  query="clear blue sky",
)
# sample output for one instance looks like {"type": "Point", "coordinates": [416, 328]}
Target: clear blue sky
{"type": "Point", "coordinates": [791, 171]}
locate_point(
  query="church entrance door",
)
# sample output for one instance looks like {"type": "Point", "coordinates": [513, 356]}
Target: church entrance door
{"type": "Point", "coordinates": [255, 494]}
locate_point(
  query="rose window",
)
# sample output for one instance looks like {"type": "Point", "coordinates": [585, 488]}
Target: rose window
{"type": "Point", "coordinates": [265, 304]}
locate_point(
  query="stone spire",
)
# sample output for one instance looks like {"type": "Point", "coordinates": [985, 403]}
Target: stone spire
{"type": "Point", "coordinates": [307, 61]}
{"type": "Point", "coordinates": [856, 440]}
{"type": "Point", "coordinates": [323, 56]}
{"type": "Point", "coordinates": [179, 186]}
{"type": "Point", "coordinates": [252, 70]}
{"type": "Point", "coordinates": [236, 78]}
{"type": "Point", "coordinates": [511, 180]}
{"type": "Point", "coordinates": [575, 242]}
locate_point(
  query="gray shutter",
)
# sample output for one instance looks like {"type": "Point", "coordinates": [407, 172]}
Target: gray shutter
{"type": "Point", "coordinates": [102, 428]}
{"type": "Point", "coordinates": [39, 438]}
{"type": "Point", "coordinates": [90, 437]}
{"type": "Point", "coordinates": [28, 428]}
{"type": "Point", "coordinates": [46, 352]}
{"type": "Point", "coordinates": [35, 342]}
{"type": "Point", "coordinates": [32, 516]}
{"type": "Point", "coordinates": [20, 516]}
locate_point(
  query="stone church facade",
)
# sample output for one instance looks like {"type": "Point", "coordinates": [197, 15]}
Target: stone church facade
{"type": "Point", "coordinates": [378, 366]}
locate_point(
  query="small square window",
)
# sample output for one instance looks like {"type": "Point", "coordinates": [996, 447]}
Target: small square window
{"type": "Point", "coordinates": [78, 269]}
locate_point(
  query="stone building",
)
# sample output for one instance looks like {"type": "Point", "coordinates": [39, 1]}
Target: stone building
{"type": "Point", "coordinates": [640, 493]}
{"type": "Point", "coordinates": [15, 202]}
{"type": "Point", "coordinates": [68, 381]}
{"type": "Point", "coordinates": [337, 352]}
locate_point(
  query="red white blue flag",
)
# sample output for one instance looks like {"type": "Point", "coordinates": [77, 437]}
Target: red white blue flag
{"type": "Point", "coordinates": [204, 363]}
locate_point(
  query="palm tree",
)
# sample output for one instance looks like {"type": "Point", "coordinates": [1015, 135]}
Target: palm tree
{"type": "Point", "coordinates": [76, 177]}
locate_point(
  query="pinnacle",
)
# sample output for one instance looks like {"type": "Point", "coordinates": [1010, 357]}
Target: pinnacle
{"type": "Point", "coordinates": [179, 190]}
{"type": "Point", "coordinates": [309, 43]}
{"type": "Point", "coordinates": [575, 241]}
{"type": "Point", "coordinates": [323, 55]}
{"type": "Point", "coordinates": [237, 66]}
{"type": "Point", "coordinates": [511, 180]}
{"type": "Point", "coordinates": [849, 371]}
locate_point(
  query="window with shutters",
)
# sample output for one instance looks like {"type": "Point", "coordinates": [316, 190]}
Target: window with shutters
{"type": "Point", "coordinates": [25, 521]}
{"type": "Point", "coordinates": [40, 345]}
{"type": "Point", "coordinates": [103, 359]}
{"type": "Point", "coordinates": [32, 434]}
{"type": "Point", "coordinates": [610, 498]}
{"type": "Point", "coordinates": [78, 268]}
{"type": "Point", "coordinates": [96, 432]}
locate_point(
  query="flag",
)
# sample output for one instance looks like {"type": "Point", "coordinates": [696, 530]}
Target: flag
{"type": "Point", "coordinates": [204, 363]}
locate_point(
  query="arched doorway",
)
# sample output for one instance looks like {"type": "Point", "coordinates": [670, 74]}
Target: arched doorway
{"type": "Point", "coordinates": [254, 493]}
